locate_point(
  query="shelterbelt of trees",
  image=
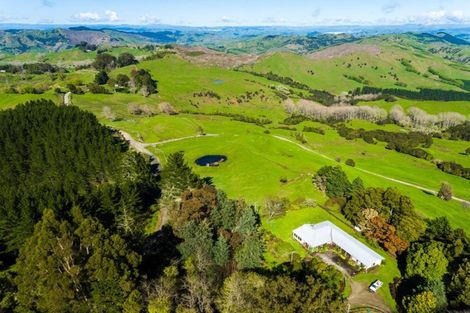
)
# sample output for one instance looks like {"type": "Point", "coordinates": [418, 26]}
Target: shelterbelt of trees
{"type": "Point", "coordinates": [75, 203]}
{"type": "Point", "coordinates": [422, 94]}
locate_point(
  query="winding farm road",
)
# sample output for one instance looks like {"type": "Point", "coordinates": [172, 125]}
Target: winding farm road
{"type": "Point", "coordinates": [366, 171]}
{"type": "Point", "coordinates": [178, 139]}
{"type": "Point", "coordinates": [137, 145]}
{"type": "Point", "coordinates": [142, 147]}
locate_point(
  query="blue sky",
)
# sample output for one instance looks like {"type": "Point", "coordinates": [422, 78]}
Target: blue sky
{"type": "Point", "coordinates": [241, 12]}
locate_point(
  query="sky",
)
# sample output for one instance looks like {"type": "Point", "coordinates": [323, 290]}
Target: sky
{"type": "Point", "coordinates": [236, 12]}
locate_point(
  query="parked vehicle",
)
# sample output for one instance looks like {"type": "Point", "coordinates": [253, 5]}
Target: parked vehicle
{"type": "Point", "coordinates": [375, 286]}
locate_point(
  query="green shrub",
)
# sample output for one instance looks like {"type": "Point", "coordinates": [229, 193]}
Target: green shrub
{"type": "Point", "coordinates": [350, 162]}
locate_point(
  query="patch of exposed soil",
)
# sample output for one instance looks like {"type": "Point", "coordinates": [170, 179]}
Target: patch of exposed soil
{"type": "Point", "coordinates": [208, 57]}
{"type": "Point", "coordinates": [343, 50]}
{"type": "Point", "coordinates": [360, 295]}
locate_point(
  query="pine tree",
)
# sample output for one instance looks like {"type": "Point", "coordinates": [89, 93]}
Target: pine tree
{"type": "Point", "coordinates": [76, 267]}
{"type": "Point", "coordinates": [178, 176]}
{"type": "Point", "coordinates": [48, 276]}
{"type": "Point", "coordinates": [247, 224]}
{"type": "Point", "coordinates": [224, 214]}
{"type": "Point", "coordinates": [357, 185]}
{"type": "Point", "coordinates": [250, 254]}
{"type": "Point", "coordinates": [221, 251]}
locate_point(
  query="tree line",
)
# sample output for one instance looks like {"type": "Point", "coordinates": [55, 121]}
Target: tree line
{"type": "Point", "coordinates": [32, 68]}
{"type": "Point", "coordinates": [320, 96]}
{"type": "Point", "coordinates": [459, 132]}
{"type": "Point", "coordinates": [414, 118]}
{"type": "Point", "coordinates": [140, 80]}
{"type": "Point", "coordinates": [409, 143]}
{"type": "Point", "coordinates": [421, 94]}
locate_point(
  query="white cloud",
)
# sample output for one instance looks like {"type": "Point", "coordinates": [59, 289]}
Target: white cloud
{"type": "Point", "coordinates": [92, 17]}
{"type": "Point", "coordinates": [440, 17]}
{"type": "Point", "coordinates": [225, 19]}
{"type": "Point", "coordinates": [87, 17]}
{"type": "Point", "coordinates": [275, 20]}
{"type": "Point", "coordinates": [146, 19]}
{"type": "Point", "coordinates": [112, 16]}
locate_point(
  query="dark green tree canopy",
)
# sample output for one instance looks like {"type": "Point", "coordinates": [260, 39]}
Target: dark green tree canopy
{"type": "Point", "coordinates": [126, 59]}
{"type": "Point", "coordinates": [75, 267]}
{"type": "Point", "coordinates": [57, 157]}
{"type": "Point", "coordinates": [101, 78]}
{"type": "Point", "coordinates": [143, 82]}
{"type": "Point", "coordinates": [333, 181]}
{"type": "Point", "coordinates": [390, 204]}
{"type": "Point", "coordinates": [427, 261]}
{"type": "Point", "coordinates": [104, 61]}
{"type": "Point", "coordinates": [178, 175]}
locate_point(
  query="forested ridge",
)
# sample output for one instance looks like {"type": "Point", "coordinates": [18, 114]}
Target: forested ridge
{"type": "Point", "coordinates": [60, 157]}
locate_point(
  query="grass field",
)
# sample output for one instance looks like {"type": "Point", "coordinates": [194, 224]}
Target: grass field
{"type": "Point", "coordinates": [11, 100]}
{"type": "Point", "coordinates": [257, 162]}
{"type": "Point", "coordinates": [179, 80]}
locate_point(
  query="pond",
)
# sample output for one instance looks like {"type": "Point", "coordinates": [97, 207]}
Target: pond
{"type": "Point", "coordinates": [211, 160]}
{"type": "Point", "coordinates": [218, 81]}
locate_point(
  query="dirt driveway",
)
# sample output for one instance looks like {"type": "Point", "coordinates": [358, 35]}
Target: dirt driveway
{"type": "Point", "coordinates": [360, 295]}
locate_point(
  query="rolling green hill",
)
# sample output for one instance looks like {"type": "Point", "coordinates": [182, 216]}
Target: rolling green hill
{"type": "Point", "coordinates": [20, 41]}
{"type": "Point", "coordinates": [371, 63]}
{"type": "Point", "coordinates": [69, 57]}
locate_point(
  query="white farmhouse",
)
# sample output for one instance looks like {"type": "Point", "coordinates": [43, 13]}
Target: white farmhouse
{"type": "Point", "coordinates": [317, 235]}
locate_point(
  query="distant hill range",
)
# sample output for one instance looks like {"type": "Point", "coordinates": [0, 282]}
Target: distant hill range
{"type": "Point", "coordinates": [234, 40]}
{"type": "Point", "coordinates": [440, 37]}
{"type": "Point", "coordinates": [18, 41]}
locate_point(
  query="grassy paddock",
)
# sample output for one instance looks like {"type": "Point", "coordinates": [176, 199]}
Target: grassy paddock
{"type": "Point", "coordinates": [257, 162]}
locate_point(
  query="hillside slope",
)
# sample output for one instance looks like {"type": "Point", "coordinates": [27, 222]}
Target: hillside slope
{"type": "Point", "coordinates": [384, 62]}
